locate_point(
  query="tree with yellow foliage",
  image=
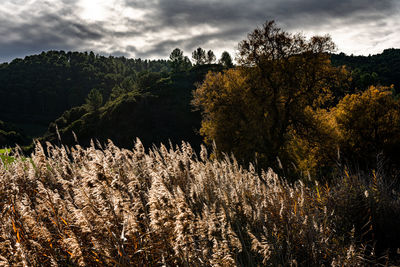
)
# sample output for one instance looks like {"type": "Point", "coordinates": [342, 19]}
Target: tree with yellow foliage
{"type": "Point", "coordinates": [368, 125]}
{"type": "Point", "coordinates": [227, 117]}
{"type": "Point", "coordinates": [362, 126]}
{"type": "Point", "coordinates": [251, 110]}
{"type": "Point", "coordinates": [314, 150]}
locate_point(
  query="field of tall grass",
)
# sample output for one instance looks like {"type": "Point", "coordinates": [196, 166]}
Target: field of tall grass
{"type": "Point", "coordinates": [106, 206]}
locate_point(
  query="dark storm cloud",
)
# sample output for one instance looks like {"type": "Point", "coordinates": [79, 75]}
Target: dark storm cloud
{"type": "Point", "coordinates": [187, 24]}
{"type": "Point", "coordinates": [174, 12]}
{"type": "Point", "coordinates": [327, 10]}
{"type": "Point", "coordinates": [160, 48]}
{"type": "Point", "coordinates": [33, 33]}
{"type": "Point", "coordinates": [206, 41]}
{"type": "Point", "coordinates": [47, 33]}
{"type": "Point", "coordinates": [235, 18]}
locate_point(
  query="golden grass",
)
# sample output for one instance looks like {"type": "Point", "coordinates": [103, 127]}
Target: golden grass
{"type": "Point", "coordinates": [118, 207]}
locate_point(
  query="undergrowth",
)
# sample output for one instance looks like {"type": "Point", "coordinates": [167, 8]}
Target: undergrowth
{"type": "Point", "coordinates": [4, 157]}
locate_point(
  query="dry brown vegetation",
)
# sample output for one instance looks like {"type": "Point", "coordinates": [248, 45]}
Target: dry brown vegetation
{"type": "Point", "coordinates": [117, 207]}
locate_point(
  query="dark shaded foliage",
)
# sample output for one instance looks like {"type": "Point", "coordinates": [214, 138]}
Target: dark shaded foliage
{"type": "Point", "coordinates": [380, 69]}
{"type": "Point", "coordinates": [159, 111]}
{"type": "Point", "coordinates": [39, 88]}
{"type": "Point", "coordinates": [10, 135]}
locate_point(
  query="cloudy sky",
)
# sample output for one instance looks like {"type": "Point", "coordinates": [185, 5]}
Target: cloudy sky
{"type": "Point", "coordinates": [153, 28]}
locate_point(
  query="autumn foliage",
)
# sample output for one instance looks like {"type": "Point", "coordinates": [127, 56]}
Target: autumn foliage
{"type": "Point", "coordinates": [283, 108]}
{"type": "Point", "coordinates": [369, 124]}
{"type": "Point", "coordinates": [251, 110]}
{"type": "Point", "coordinates": [362, 132]}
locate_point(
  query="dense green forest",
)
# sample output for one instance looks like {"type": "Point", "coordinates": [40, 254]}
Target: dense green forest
{"type": "Point", "coordinates": [369, 70]}
{"type": "Point", "coordinates": [36, 90]}
{"type": "Point", "coordinates": [158, 112]}
{"type": "Point", "coordinates": [74, 97]}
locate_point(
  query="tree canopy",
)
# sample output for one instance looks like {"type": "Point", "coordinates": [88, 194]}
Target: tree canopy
{"type": "Point", "coordinates": [199, 56]}
{"type": "Point", "coordinates": [250, 110]}
{"type": "Point", "coordinates": [369, 124]}
{"type": "Point", "coordinates": [379, 69]}
{"type": "Point", "coordinates": [210, 57]}
{"type": "Point", "coordinates": [9, 135]}
{"type": "Point", "coordinates": [94, 100]}
{"type": "Point", "coordinates": [178, 61]}
{"type": "Point", "coordinates": [226, 60]}
{"type": "Point", "coordinates": [280, 101]}
{"type": "Point", "coordinates": [37, 89]}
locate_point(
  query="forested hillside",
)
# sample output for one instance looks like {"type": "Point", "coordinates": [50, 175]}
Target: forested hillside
{"type": "Point", "coordinates": [158, 111]}
{"type": "Point", "coordinates": [369, 70]}
{"type": "Point", "coordinates": [9, 135]}
{"type": "Point", "coordinates": [37, 89]}
{"type": "Point", "coordinates": [58, 82]}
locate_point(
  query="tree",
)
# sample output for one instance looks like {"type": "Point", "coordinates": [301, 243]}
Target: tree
{"type": "Point", "coordinates": [369, 124]}
{"type": "Point", "coordinates": [199, 56]}
{"type": "Point", "coordinates": [178, 61]}
{"type": "Point", "coordinates": [226, 60]}
{"type": "Point", "coordinates": [364, 127]}
{"type": "Point", "coordinates": [94, 100]}
{"type": "Point", "coordinates": [210, 58]}
{"type": "Point", "coordinates": [222, 98]}
{"type": "Point", "coordinates": [252, 109]}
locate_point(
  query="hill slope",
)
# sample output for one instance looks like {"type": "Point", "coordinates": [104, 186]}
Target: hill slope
{"type": "Point", "coordinates": [37, 89]}
{"type": "Point", "coordinates": [159, 113]}
{"type": "Point", "coordinates": [381, 69]}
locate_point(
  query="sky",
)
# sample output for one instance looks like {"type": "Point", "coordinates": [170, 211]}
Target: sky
{"type": "Point", "coordinates": [153, 28]}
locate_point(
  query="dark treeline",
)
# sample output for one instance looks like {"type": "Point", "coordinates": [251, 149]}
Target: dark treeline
{"type": "Point", "coordinates": [10, 135]}
{"type": "Point", "coordinates": [88, 93]}
{"type": "Point", "coordinates": [159, 112]}
{"type": "Point", "coordinates": [38, 89]}
{"type": "Point", "coordinates": [369, 70]}
{"type": "Point", "coordinates": [146, 98]}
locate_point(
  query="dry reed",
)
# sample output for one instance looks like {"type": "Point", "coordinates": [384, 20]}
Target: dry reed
{"type": "Point", "coordinates": [101, 207]}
